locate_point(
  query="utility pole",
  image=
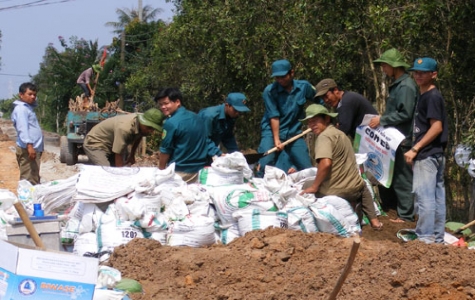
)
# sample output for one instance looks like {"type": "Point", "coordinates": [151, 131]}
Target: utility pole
{"type": "Point", "coordinates": [140, 11]}
{"type": "Point", "coordinates": [122, 67]}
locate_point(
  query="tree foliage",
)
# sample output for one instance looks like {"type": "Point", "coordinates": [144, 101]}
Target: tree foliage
{"type": "Point", "coordinates": [213, 48]}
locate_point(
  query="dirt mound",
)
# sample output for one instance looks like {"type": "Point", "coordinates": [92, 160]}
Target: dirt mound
{"type": "Point", "coordinates": [285, 264]}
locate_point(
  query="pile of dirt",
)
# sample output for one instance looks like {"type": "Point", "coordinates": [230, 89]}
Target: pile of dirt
{"type": "Point", "coordinates": [278, 263]}
{"type": "Point", "coordinates": [284, 264]}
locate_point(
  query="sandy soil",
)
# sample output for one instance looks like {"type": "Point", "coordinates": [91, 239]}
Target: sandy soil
{"type": "Point", "coordinates": [284, 264]}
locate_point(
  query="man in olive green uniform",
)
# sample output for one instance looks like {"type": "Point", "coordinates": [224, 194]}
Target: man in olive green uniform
{"type": "Point", "coordinates": [336, 163]}
{"type": "Point", "coordinates": [399, 113]}
{"type": "Point", "coordinates": [106, 143]}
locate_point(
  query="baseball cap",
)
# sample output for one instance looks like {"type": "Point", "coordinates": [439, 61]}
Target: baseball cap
{"type": "Point", "coordinates": [237, 101]}
{"type": "Point", "coordinates": [280, 68]}
{"type": "Point", "coordinates": [324, 86]}
{"type": "Point", "coordinates": [393, 58]}
{"type": "Point", "coordinates": [152, 118]}
{"type": "Point", "coordinates": [425, 64]}
{"type": "Point", "coordinates": [316, 109]}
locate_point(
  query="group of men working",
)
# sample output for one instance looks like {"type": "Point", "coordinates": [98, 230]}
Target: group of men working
{"type": "Point", "coordinates": [189, 140]}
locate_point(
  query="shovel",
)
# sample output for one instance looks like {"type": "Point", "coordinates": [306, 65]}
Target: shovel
{"type": "Point", "coordinates": [254, 157]}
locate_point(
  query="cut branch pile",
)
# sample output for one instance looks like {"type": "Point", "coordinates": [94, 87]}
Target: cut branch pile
{"type": "Point", "coordinates": [82, 104]}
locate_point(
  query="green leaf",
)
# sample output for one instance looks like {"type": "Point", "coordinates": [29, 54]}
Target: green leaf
{"type": "Point", "coordinates": [129, 285]}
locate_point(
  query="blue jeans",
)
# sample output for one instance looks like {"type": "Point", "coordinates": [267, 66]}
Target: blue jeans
{"type": "Point", "coordinates": [429, 191]}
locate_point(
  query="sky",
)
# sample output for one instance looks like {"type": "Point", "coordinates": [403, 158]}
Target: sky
{"type": "Point", "coordinates": [27, 31]}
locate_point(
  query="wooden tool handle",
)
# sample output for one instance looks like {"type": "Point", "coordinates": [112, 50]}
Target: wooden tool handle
{"type": "Point", "coordinates": [465, 226]}
{"type": "Point", "coordinates": [29, 225]}
{"type": "Point", "coordinates": [288, 141]}
{"type": "Point", "coordinates": [346, 270]}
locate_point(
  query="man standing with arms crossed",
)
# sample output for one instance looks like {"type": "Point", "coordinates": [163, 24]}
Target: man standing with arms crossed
{"type": "Point", "coordinates": [284, 102]}
{"type": "Point", "coordinates": [399, 114]}
{"type": "Point", "coordinates": [427, 154]}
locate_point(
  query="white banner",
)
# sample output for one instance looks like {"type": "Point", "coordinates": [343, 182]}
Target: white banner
{"type": "Point", "coordinates": [380, 145]}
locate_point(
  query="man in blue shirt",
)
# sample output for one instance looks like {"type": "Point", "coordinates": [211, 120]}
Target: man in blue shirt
{"type": "Point", "coordinates": [29, 141]}
{"type": "Point", "coordinates": [284, 102]}
{"type": "Point", "coordinates": [219, 120]}
{"type": "Point", "coordinates": [184, 138]}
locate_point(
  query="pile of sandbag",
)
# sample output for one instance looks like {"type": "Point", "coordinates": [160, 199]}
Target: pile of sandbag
{"type": "Point", "coordinates": [111, 206]}
{"type": "Point", "coordinates": [227, 203]}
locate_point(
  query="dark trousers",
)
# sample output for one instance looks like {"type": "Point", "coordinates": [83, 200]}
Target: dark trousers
{"type": "Point", "coordinates": [400, 194]}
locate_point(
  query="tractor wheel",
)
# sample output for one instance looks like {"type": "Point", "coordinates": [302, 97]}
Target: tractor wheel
{"type": "Point", "coordinates": [72, 154]}
{"type": "Point", "coordinates": [63, 148]}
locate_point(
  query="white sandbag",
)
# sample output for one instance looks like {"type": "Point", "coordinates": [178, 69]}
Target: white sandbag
{"type": "Point", "coordinates": [150, 202]}
{"type": "Point", "coordinates": [85, 243]}
{"type": "Point", "coordinates": [462, 155]}
{"type": "Point", "coordinates": [145, 186]}
{"type": "Point", "coordinates": [175, 201]}
{"type": "Point", "coordinates": [345, 209]}
{"type": "Point", "coordinates": [194, 231]}
{"type": "Point", "coordinates": [108, 277]}
{"type": "Point", "coordinates": [151, 221]}
{"type": "Point", "coordinates": [3, 226]}
{"type": "Point", "coordinates": [202, 204]}
{"type": "Point", "coordinates": [7, 198]}
{"type": "Point", "coordinates": [234, 161]}
{"type": "Point", "coordinates": [88, 214]}
{"type": "Point", "coordinates": [255, 219]}
{"type": "Point", "coordinates": [70, 231]}
{"type": "Point", "coordinates": [160, 236]}
{"type": "Point", "coordinates": [130, 208]}
{"type": "Point", "coordinates": [57, 195]}
{"type": "Point", "coordinates": [301, 218]}
{"type": "Point", "coordinates": [106, 294]}
{"type": "Point", "coordinates": [228, 233]}
{"type": "Point", "coordinates": [274, 179]}
{"type": "Point", "coordinates": [279, 186]}
{"type": "Point", "coordinates": [216, 176]}
{"type": "Point", "coordinates": [303, 175]}
{"type": "Point", "coordinates": [112, 232]}
{"type": "Point", "coordinates": [329, 219]}
{"type": "Point", "coordinates": [228, 199]}
{"type": "Point", "coordinates": [26, 195]}
{"type": "Point", "coordinates": [167, 179]}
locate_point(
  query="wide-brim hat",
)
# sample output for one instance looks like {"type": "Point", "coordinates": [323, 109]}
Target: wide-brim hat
{"type": "Point", "coordinates": [152, 118]}
{"type": "Point", "coordinates": [97, 68]}
{"type": "Point", "coordinates": [316, 109]}
{"type": "Point", "coordinates": [393, 58]}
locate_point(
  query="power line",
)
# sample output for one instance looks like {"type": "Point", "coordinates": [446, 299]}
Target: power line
{"type": "Point", "coordinates": [18, 75]}
{"type": "Point", "coordinates": [32, 4]}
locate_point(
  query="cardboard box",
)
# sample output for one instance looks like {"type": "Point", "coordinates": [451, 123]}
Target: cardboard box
{"type": "Point", "coordinates": [27, 273]}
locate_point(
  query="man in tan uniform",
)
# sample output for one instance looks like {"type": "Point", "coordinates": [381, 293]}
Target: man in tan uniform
{"type": "Point", "coordinates": [336, 163]}
{"type": "Point", "coordinates": [107, 142]}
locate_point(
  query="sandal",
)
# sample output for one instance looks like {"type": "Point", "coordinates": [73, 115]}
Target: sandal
{"type": "Point", "coordinates": [378, 228]}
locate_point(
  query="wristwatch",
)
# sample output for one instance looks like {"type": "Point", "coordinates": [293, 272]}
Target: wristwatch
{"type": "Point", "coordinates": [414, 150]}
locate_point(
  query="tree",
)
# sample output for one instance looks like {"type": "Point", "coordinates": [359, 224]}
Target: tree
{"type": "Point", "coordinates": [57, 77]}
{"type": "Point", "coordinates": [127, 16]}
